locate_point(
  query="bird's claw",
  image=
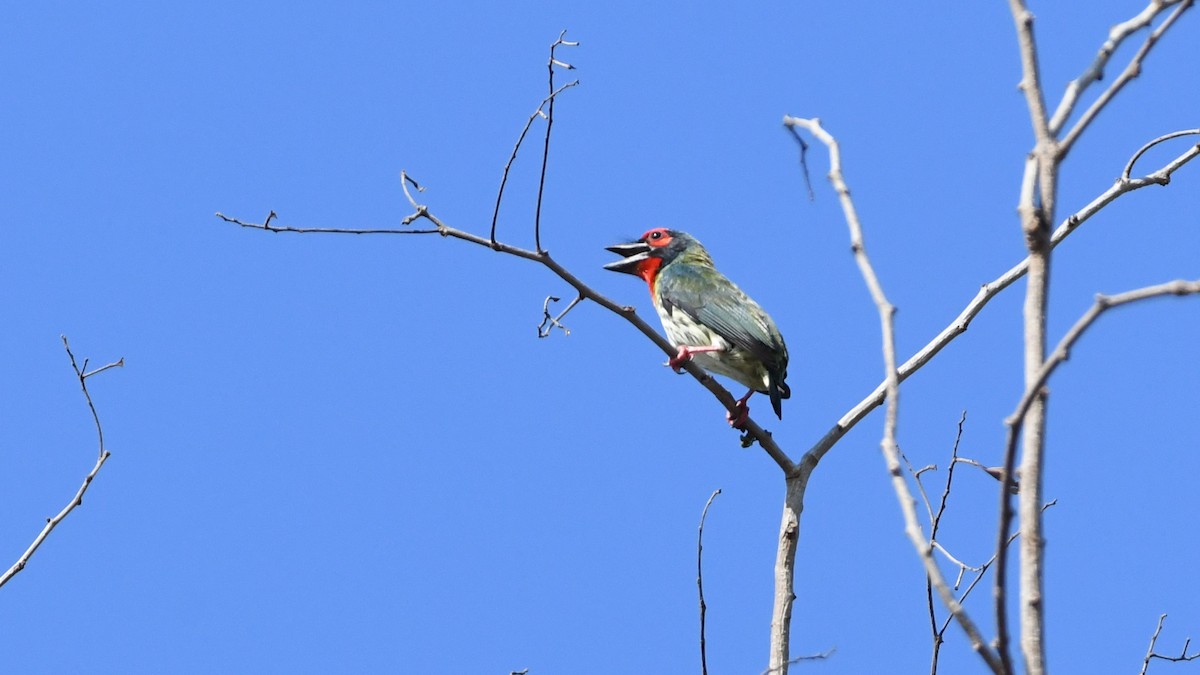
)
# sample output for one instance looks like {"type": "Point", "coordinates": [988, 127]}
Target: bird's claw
{"type": "Point", "coordinates": [681, 357]}
{"type": "Point", "coordinates": [738, 420]}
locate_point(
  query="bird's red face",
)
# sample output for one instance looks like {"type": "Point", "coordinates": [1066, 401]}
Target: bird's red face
{"type": "Point", "coordinates": [643, 257]}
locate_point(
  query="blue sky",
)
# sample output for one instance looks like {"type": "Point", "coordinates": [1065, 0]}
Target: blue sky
{"type": "Point", "coordinates": [352, 453]}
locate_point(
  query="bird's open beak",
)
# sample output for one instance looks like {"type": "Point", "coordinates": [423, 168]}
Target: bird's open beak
{"type": "Point", "coordinates": [634, 253]}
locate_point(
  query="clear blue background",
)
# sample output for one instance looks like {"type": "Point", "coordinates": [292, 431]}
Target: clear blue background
{"type": "Point", "coordinates": [353, 454]}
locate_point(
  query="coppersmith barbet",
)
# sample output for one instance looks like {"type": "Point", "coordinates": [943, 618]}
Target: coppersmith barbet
{"type": "Point", "coordinates": [707, 317]}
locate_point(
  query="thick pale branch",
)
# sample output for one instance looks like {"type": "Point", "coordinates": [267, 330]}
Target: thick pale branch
{"type": "Point", "coordinates": [1030, 84]}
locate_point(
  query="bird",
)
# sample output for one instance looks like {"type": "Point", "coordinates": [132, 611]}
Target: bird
{"type": "Point", "coordinates": [707, 317]}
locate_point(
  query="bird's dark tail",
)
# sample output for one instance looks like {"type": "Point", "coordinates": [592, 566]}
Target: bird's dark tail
{"type": "Point", "coordinates": [778, 390]}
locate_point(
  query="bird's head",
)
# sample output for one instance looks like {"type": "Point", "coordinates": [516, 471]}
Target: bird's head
{"type": "Point", "coordinates": [645, 256]}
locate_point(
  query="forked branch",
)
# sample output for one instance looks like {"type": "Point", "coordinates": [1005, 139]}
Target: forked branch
{"type": "Point", "coordinates": [889, 443]}
{"type": "Point", "coordinates": [82, 374]}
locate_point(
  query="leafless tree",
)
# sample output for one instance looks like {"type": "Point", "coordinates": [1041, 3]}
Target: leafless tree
{"type": "Point", "coordinates": [1054, 135]}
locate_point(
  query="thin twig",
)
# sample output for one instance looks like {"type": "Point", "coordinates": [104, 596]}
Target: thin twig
{"type": "Point", "coordinates": [803, 160]}
{"type": "Point", "coordinates": [549, 323]}
{"type": "Point", "coordinates": [1151, 654]}
{"type": "Point", "coordinates": [935, 523]}
{"type": "Point", "coordinates": [798, 659]}
{"type": "Point", "coordinates": [537, 215]}
{"type": "Point", "coordinates": [266, 225]}
{"type": "Point", "coordinates": [996, 472]}
{"type": "Point", "coordinates": [1162, 178]}
{"type": "Point", "coordinates": [516, 147]}
{"type": "Point", "coordinates": [82, 375]}
{"type": "Point", "coordinates": [700, 579]}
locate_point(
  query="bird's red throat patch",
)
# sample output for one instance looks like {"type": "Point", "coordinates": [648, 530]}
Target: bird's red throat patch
{"type": "Point", "coordinates": [648, 271]}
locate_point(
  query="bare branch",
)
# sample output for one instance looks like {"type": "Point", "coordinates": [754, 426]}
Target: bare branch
{"type": "Point", "coordinates": [1062, 351]}
{"type": "Point", "coordinates": [1163, 175]}
{"type": "Point", "coordinates": [889, 444]}
{"type": "Point", "coordinates": [1151, 654]}
{"type": "Point", "coordinates": [82, 375]}
{"type": "Point", "coordinates": [267, 226]}
{"type": "Point", "coordinates": [988, 291]}
{"type": "Point", "coordinates": [700, 579]}
{"type": "Point", "coordinates": [537, 216]}
{"type": "Point", "coordinates": [803, 158]}
{"type": "Point", "coordinates": [937, 519]}
{"type": "Point", "coordinates": [549, 323]}
{"type": "Point", "coordinates": [1131, 71]}
{"type": "Point", "coordinates": [812, 657]}
{"type": "Point", "coordinates": [1030, 84]}
{"type": "Point", "coordinates": [996, 472]}
{"type": "Point", "coordinates": [1033, 391]}
{"type": "Point", "coordinates": [549, 100]}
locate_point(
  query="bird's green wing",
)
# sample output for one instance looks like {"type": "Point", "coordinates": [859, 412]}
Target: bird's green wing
{"type": "Point", "coordinates": [711, 299]}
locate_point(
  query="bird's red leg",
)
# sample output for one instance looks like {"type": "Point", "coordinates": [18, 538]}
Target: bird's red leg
{"type": "Point", "coordinates": [685, 354]}
{"type": "Point", "coordinates": [743, 412]}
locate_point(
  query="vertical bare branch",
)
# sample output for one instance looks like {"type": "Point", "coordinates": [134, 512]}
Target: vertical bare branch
{"type": "Point", "coordinates": [82, 374]}
{"type": "Point", "coordinates": [549, 100]}
{"type": "Point", "coordinates": [785, 567]}
{"type": "Point", "coordinates": [537, 216]}
{"type": "Point", "coordinates": [700, 579]}
{"type": "Point", "coordinates": [935, 522]}
{"type": "Point", "coordinates": [889, 443]}
{"type": "Point", "coordinates": [1036, 209]}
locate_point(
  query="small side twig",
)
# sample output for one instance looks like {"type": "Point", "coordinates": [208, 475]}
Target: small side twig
{"type": "Point", "coordinates": [700, 580]}
{"type": "Point", "coordinates": [537, 215]}
{"type": "Point", "coordinates": [549, 323]}
{"type": "Point", "coordinates": [538, 112]}
{"type": "Point", "coordinates": [807, 657]}
{"type": "Point", "coordinates": [82, 374]}
{"type": "Point", "coordinates": [935, 523]}
{"type": "Point", "coordinates": [1162, 176]}
{"type": "Point", "coordinates": [1151, 654]}
{"type": "Point", "coordinates": [803, 160]}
